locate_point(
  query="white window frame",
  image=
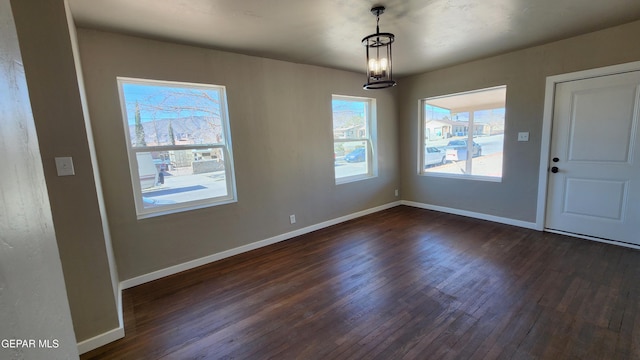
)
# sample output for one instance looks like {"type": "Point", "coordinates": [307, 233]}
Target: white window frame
{"type": "Point", "coordinates": [370, 139]}
{"type": "Point", "coordinates": [225, 147]}
{"type": "Point", "coordinates": [470, 135]}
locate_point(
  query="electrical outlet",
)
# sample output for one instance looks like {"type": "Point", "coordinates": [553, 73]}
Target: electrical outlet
{"type": "Point", "coordinates": [523, 136]}
{"type": "Point", "coordinates": [396, 192]}
{"type": "Point", "coordinates": [292, 219]}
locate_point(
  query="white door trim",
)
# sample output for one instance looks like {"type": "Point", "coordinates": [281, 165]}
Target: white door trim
{"type": "Point", "coordinates": [547, 122]}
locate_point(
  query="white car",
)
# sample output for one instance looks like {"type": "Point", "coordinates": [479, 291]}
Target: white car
{"type": "Point", "coordinates": [434, 156]}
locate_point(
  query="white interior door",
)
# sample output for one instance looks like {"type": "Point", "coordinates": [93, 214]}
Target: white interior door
{"type": "Point", "coordinates": [594, 148]}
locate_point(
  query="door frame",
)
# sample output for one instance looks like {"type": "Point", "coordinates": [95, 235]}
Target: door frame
{"type": "Point", "coordinates": [547, 125]}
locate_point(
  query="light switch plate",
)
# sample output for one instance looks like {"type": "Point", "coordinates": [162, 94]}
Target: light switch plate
{"type": "Point", "coordinates": [64, 166]}
{"type": "Point", "coordinates": [523, 136]}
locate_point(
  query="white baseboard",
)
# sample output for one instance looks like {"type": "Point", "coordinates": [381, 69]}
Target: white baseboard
{"type": "Point", "coordinates": [239, 250]}
{"type": "Point", "coordinates": [101, 340]}
{"type": "Point", "coordinates": [498, 219]}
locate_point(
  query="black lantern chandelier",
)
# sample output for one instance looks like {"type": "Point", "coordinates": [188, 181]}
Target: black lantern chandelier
{"type": "Point", "coordinates": [379, 74]}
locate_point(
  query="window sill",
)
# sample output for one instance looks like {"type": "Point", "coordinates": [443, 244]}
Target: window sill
{"type": "Point", "coordinates": [187, 207]}
{"type": "Point", "coordinates": [350, 179]}
{"type": "Point", "coordinates": [463, 177]}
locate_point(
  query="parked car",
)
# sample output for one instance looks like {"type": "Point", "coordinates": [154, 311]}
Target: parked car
{"type": "Point", "coordinates": [434, 156]}
{"type": "Point", "coordinates": [457, 150]}
{"type": "Point", "coordinates": [357, 155]}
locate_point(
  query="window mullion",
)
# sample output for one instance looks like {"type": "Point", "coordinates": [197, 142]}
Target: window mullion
{"type": "Point", "coordinates": [472, 129]}
{"type": "Point", "coordinates": [176, 147]}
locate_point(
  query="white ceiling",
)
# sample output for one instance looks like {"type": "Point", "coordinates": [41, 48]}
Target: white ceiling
{"type": "Point", "coordinates": [429, 33]}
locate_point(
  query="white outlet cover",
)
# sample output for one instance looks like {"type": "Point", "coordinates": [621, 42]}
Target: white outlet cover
{"type": "Point", "coordinates": [523, 136]}
{"type": "Point", "coordinates": [64, 166]}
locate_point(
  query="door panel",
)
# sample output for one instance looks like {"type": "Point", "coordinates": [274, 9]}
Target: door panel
{"type": "Point", "coordinates": [593, 111]}
{"type": "Point", "coordinates": [605, 200]}
{"type": "Point", "coordinates": [596, 189]}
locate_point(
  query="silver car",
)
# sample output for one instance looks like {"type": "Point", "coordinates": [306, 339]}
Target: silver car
{"type": "Point", "coordinates": [457, 150]}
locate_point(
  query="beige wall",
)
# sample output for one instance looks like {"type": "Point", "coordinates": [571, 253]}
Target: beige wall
{"type": "Point", "coordinates": [524, 72]}
{"type": "Point", "coordinates": [43, 33]}
{"type": "Point", "coordinates": [281, 128]}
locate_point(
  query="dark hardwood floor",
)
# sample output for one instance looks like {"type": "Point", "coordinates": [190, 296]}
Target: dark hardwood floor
{"type": "Point", "coordinates": [404, 283]}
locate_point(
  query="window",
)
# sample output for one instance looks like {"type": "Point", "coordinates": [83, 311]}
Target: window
{"type": "Point", "coordinates": [179, 145]}
{"type": "Point", "coordinates": [463, 134]}
{"type": "Point", "coordinates": [354, 143]}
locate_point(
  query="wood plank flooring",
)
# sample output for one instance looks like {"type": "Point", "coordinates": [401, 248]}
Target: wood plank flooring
{"type": "Point", "coordinates": [404, 283]}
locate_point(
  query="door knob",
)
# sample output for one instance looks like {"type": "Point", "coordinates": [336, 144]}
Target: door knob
{"type": "Point", "coordinates": [554, 169]}
{"type": "Point", "coordinates": [555, 159]}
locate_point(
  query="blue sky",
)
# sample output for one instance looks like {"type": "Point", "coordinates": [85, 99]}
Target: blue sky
{"type": "Point", "coordinates": [356, 106]}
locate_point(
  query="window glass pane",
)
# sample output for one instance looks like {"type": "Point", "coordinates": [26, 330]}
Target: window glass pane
{"type": "Point", "coordinates": [352, 158]}
{"type": "Point", "coordinates": [489, 125]}
{"type": "Point", "coordinates": [464, 134]}
{"type": "Point", "coordinates": [179, 176]}
{"type": "Point", "coordinates": [160, 115]}
{"type": "Point", "coordinates": [437, 131]}
{"type": "Point", "coordinates": [349, 119]}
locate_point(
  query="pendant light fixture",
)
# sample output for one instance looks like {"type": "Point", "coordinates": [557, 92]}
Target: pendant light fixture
{"type": "Point", "coordinates": [378, 45]}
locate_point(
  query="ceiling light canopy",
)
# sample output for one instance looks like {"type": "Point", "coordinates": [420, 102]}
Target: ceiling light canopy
{"type": "Point", "coordinates": [378, 45]}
